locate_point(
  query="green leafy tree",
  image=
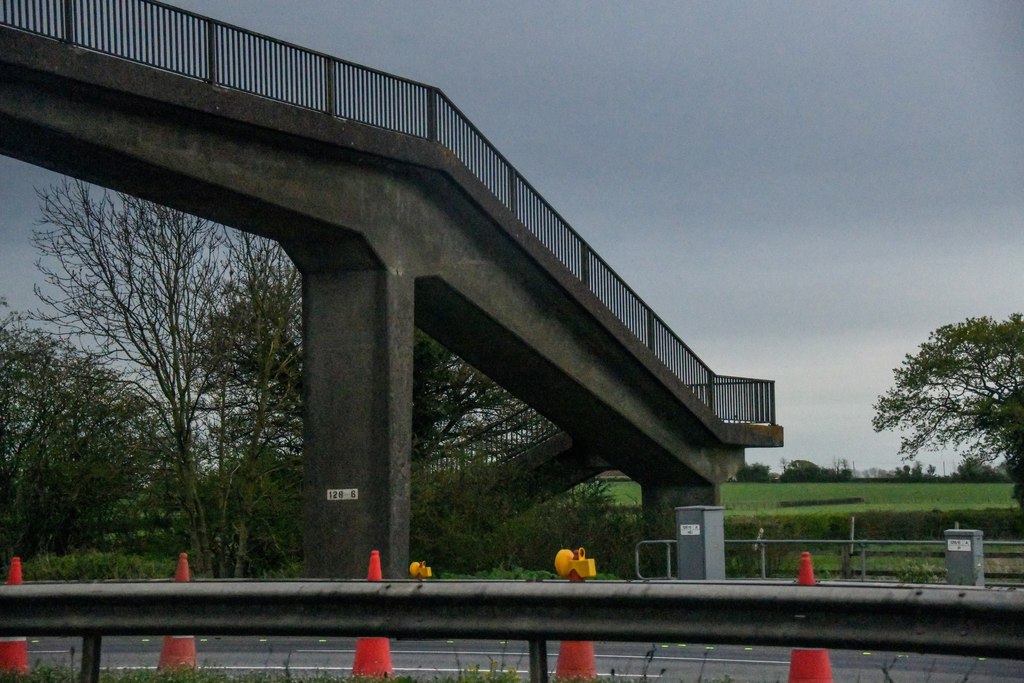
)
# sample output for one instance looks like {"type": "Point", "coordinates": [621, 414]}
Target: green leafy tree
{"type": "Point", "coordinates": [754, 472]}
{"type": "Point", "coordinates": [255, 355]}
{"type": "Point", "coordinates": [963, 389]}
{"type": "Point", "coordinates": [803, 471]}
{"type": "Point", "coordinates": [76, 455]}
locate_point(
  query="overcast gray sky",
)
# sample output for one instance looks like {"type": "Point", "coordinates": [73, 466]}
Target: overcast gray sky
{"type": "Point", "coordinates": [802, 190]}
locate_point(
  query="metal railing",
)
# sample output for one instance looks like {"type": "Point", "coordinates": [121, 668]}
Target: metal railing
{"type": "Point", "coordinates": [496, 440]}
{"type": "Point", "coordinates": [848, 549]}
{"type": "Point", "coordinates": [962, 620]}
{"type": "Point", "coordinates": [195, 46]}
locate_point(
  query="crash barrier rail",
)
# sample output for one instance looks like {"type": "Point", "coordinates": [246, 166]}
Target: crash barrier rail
{"type": "Point", "coordinates": [197, 47]}
{"type": "Point", "coordinates": [860, 549]}
{"type": "Point", "coordinates": [982, 622]}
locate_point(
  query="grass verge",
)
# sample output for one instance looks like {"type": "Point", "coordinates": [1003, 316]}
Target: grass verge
{"type": "Point", "coordinates": [63, 675]}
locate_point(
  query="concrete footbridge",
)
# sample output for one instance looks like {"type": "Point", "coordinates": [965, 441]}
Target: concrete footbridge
{"type": "Point", "coordinates": [399, 214]}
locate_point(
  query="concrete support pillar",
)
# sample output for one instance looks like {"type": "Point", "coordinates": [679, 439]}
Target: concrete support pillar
{"type": "Point", "coordinates": [660, 502]}
{"type": "Point", "coordinates": [358, 346]}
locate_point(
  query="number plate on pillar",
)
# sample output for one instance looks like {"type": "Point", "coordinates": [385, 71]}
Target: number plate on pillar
{"type": "Point", "coordinates": [342, 494]}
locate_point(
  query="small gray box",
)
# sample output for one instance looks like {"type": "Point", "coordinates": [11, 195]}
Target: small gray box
{"type": "Point", "coordinates": [700, 543]}
{"type": "Point", "coordinates": [965, 557]}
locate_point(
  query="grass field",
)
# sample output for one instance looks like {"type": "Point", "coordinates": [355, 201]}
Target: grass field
{"type": "Point", "coordinates": [740, 499]}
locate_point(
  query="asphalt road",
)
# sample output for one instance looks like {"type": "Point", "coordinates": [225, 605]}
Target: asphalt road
{"type": "Point", "coordinates": [687, 662]}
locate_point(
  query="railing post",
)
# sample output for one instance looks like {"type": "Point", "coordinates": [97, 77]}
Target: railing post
{"type": "Point", "coordinates": [711, 391]}
{"type": "Point", "coordinates": [330, 86]}
{"type": "Point", "coordinates": [432, 96]}
{"type": "Point", "coordinates": [90, 672]}
{"type": "Point", "coordinates": [538, 660]}
{"type": "Point", "coordinates": [651, 322]}
{"type": "Point", "coordinates": [585, 263]}
{"type": "Point", "coordinates": [211, 51]}
{"type": "Point", "coordinates": [513, 196]}
{"type": "Point", "coordinates": [68, 20]}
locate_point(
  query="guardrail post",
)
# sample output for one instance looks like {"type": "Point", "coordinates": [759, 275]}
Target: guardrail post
{"type": "Point", "coordinates": [538, 661]}
{"type": "Point", "coordinates": [90, 672]}
{"type": "Point", "coordinates": [68, 20]}
{"type": "Point", "coordinates": [585, 263]}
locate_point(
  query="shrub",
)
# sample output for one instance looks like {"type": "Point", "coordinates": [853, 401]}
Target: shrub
{"type": "Point", "coordinates": [97, 566]}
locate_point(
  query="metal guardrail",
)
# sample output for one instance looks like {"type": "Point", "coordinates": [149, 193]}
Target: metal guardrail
{"type": "Point", "coordinates": [963, 620]}
{"type": "Point", "coordinates": [195, 46]}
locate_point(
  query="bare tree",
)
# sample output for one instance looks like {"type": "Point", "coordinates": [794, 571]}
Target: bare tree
{"type": "Point", "coordinates": [255, 346]}
{"type": "Point", "coordinates": [141, 281]}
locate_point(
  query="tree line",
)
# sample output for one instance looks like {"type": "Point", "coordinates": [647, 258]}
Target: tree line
{"type": "Point", "coordinates": [970, 471]}
{"type": "Point", "coordinates": [154, 403]}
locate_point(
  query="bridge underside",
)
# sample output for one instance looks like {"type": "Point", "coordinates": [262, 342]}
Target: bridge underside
{"type": "Point", "coordinates": [390, 232]}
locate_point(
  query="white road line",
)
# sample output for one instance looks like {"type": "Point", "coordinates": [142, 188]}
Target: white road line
{"type": "Point", "coordinates": [514, 653]}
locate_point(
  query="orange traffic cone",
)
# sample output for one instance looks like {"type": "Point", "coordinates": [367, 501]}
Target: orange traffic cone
{"type": "Point", "coordinates": [575, 657]}
{"type": "Point", "coordinates": [806, 575]}
{"type": "Point", "coordinates": [576, 660]}
{"type": "Point", "coordinates": [179, 652]}
{"type": "Point", "coordinates": [809, 666]}
{"type": "Point", "coordinates": [373, 655]}
{"type": "Point", "coordinates": [14, 651]}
